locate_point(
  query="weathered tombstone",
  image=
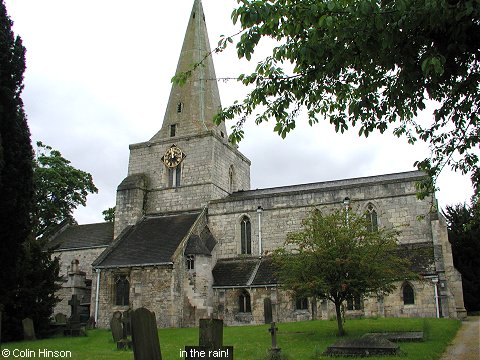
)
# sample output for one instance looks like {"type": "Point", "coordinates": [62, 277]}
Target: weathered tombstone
{"type": "Point", "coordinates": [210, 339]}
{"type": "Point", "coordinates": [127, 323]}
{"type": "Point", "coordinates": [274, 349]}
{"type": "Point", "coordinates": [146, 345]}
{"type": "Point", "coordinates": [116, 326]}
{"type": "Point", "coordinates": [28, 329]}
{"type": "Point", "coordinates": [74, 327]}
{"type": "Point", "coordinates": [60, 318]}
{"type": "Point", "coordinates": [211, 333]}
{"type": "Point", "coordinates": [75, 309]}
{"type": "Point", "coordinates": [367, 345]}
{"type": "Point", "coordinates": [267, 310]}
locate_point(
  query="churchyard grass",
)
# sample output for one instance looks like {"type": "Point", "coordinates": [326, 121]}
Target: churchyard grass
{"type": "Point", "coordinates": [300, 341]}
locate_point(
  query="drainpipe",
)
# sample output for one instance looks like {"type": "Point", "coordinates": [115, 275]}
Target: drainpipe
{"type": "Point", "coordinates": [259, 212]}
{"type": "Point", "coordinates": [435, 287]}
{"type": "Point", "coordinates": [97, 296]}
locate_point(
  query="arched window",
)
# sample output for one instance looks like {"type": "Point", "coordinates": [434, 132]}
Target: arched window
{"type": "Point", "coordinates": [190, 262]}
{"type": "Point", "coordinates": [230, 179]}
{"type": "Point", "coordinates": [246, 235]}
{"type": "Point", "coordinates": [122, 291]}
{"type": "Point", "coordinates": [408, 294]}
{"type": "Point", "coordinates": [372, 219]}
{"type": "Point", "coordinates": [174, 176]}
{"type": "Point", "coordinates": [244, 304]}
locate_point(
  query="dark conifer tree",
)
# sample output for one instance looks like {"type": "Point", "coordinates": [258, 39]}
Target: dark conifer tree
{"type": "Point", "coordinates": [16, 184]}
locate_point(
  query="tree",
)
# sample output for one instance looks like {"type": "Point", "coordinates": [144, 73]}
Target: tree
{"type": "Point", "coordinates": [464, 236]}
{"type": "Point", "coordinates": [59, 188]}
{"type": "Point", "coordinates": [336, 257]}
{"type": "Point", "coordinates": [16, 183]}
{"type": "Point", "coordinates": [368, 63]}
{"type": "Point", "coordinates": [109, 214]}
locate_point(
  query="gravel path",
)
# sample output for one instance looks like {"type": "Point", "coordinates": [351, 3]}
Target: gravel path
{"type": "Point", "coordinates": [466, 344]}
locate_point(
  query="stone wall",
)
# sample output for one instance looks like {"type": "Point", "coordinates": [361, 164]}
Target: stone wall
{"type": "Point", "coordinates": [150, 287]}
{"type": "Point", "coordinates": [283, 211]}
{"type": "Point", "coordinates": [226, 305]}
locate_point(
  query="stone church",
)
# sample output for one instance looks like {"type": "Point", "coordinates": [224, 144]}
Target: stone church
{"type": "Point", "coordinates": [191, 240]}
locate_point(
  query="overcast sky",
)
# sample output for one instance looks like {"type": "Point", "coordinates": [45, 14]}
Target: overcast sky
{"type": "Point", "coordinates": [98, 79]}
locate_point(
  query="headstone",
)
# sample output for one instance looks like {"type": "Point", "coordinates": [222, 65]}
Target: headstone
{"type": "Point", "coordinates": [74, 327]}
{"type": "Point", "coordinates": [210, 340]}
{"type": "Point", "coordinates": [267, 310]}
{"type": "Point", "coordinates": [127, 323]}
{"type": "Point", "coordinates": [367, 345]}
{"type": "Point", "coordinates": [146, 345]}
{"type": "Point", "coordinates": [60, 318]}
{"type": "Point", "coordinates": [211, 333]}
{"type": "Point", "coordinates": [28, 329]}
{"type": "Point", "coordinates": [273, 332]}
{"type": "Point", "coordinates": [116, 326]}
{"type": "Point", "coordinates": [75, 308]}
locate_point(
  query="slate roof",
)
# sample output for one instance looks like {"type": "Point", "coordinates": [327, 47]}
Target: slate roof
{"type": "Point", "coordinates": [201, 245]}
{"type": "Point", "coordinates": [324, 186]}
{"type": "Point", "coordinates": [83, 236]}
{"type": "Point", "coordinates": [243, 272]}
{"type": "Point", "coordinates": [254, 272]}
{"type": "Point", "coordinates": [152, 241]}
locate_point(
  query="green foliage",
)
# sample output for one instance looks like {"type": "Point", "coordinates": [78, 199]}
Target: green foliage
{"type": "Point", "coordinates": [38, 281]}
{"type": "Point", "coordinates": [59, 188]}
{"type": "Point", "coordinates": [109, 214]}
{"type": "Point", "coordinates": [368, 63]}
{"type": "Point", "coordinates": [464, 236]}
{"type": "Point", "coordinates": [16, 185]}
{"type": "Point", "coordinates": [336, 257]}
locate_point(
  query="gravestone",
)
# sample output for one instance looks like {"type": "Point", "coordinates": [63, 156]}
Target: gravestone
{"type": "Point", "coordinates": [127, 323]}
{"type": "Point", "coordinates": [367, 345]}
{"type": "Point", "coordinates": [146, 345]}
{"type": "Point", "coordinates": [60, 319]}
{"type": "Point", "coordinates": [267, 310]}
{"type": "Point", "coordinates": [74, 327]}
{"type": "Point", "coordinates": [400, 336]}
{"type": "Point", "coordinates": [210, 340]}
{"type": "Point", "coordinates": [274, 350]}
{"type": "Point", "coordinates": [116, 326]}
{"type": "Point", "coordinates": [28, 329]}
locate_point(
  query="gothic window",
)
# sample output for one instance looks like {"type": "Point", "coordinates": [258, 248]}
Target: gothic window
{"type": "Point", "coordinates": [190, 262]}
{"type": "Point", "coordinates": [301, 303]}
{"type": "Point", "coordinates": [372, 219]}
{"type": "Point", "coordinates": [174, 176]}
{"type": "Point", "coordinates": [179, 107]}
{"type": "Point", "coordinates": [246, 235]}
{"type": "Point", "coordinates": [354, 303]}
{"type": "Point", "coordinates": [173, 130]}
{"type": "Point", "coordinates": [244, 304]}
{"type": "Point", "coordinates": [230, 179]}
{"type": "Point", "coordinates": [408, 294]}
{"type": "Point", "coordinates": [122, 291]}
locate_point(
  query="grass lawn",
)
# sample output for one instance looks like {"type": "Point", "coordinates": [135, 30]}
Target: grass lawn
{"type": "Point", "coordinates": [300, 340]}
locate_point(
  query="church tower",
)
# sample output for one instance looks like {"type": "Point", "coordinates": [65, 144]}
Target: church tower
{"type": "Point", "coordinates": [189, 161]}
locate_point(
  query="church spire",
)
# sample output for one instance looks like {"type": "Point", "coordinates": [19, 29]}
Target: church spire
{"type": "Point", "coordinates": [191, 107]}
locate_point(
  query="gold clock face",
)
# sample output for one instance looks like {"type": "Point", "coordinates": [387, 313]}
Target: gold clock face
{"type": "Point", "coordinates": [173, 156]}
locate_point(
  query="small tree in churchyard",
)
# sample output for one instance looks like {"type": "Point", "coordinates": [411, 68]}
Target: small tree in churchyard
{"type": "Point", "coordinates": [337, 257]}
